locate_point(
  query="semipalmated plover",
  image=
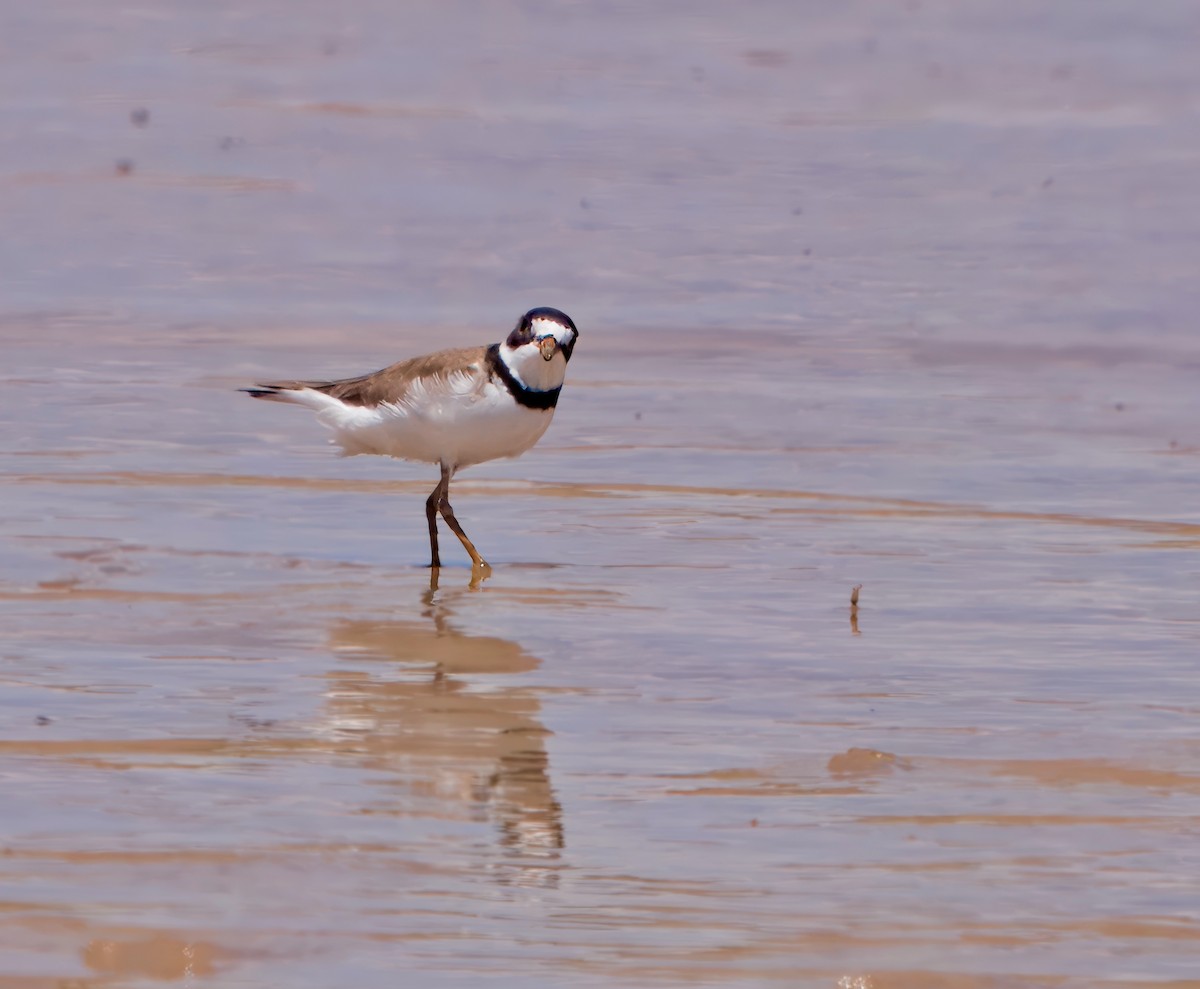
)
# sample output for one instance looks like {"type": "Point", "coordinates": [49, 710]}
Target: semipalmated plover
{"type": "Point", "coordinates": [454, 408]}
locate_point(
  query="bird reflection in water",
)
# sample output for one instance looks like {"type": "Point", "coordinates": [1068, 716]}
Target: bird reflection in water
{"type": "Point", "coordinates": [429, 705]}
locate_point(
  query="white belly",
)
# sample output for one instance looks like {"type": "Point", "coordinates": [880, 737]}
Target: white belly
{"type": "Point", "coordinates": [458, 426]}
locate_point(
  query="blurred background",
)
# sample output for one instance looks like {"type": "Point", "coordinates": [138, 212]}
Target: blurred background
{"type": "Point", "coordinates": [986, 169]}
{"type": "Point", "coordinates": [892, 294]}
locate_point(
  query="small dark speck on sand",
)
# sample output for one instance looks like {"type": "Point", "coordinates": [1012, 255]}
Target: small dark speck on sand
{"type": "Point", "coordinates": [139, 117]}
{"type": "Point", "coordinates": [41, 719]}
{"type": "Point", "coordinates": [124, 166]}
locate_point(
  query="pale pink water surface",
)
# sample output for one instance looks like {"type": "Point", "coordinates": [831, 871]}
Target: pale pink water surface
{"type": "Point", "coordinates": [893, 295]}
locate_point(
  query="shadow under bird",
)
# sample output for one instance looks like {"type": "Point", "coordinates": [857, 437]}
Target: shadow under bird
{"type": "Point", "coordinates": [454, 408]}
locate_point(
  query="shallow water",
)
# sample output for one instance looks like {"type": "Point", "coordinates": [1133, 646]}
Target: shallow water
{"type": "Point", "coordinates": [244, 741]}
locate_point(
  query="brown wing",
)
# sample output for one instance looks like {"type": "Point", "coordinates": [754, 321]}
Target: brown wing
{"type": "Point", "coordinates": [388, 385]}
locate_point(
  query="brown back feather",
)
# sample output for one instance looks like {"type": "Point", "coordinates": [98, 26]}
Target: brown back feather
{"type": "Point", "coordinates": [392, 383]}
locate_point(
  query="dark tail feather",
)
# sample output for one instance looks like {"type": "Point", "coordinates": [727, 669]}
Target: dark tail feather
{"type": "Point", "coordinates": [276, 391]}
{"type": "Point", "coordinates": [287, 391]}
{"type": "Point", "coordinates": [266, 391]}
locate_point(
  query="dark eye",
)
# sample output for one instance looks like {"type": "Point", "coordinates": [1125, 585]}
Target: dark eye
{"type": "Point", "coordinates": [522, 333]}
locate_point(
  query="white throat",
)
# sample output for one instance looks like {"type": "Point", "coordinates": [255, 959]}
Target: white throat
{"type": "Point", "coordinates": [527, 364]}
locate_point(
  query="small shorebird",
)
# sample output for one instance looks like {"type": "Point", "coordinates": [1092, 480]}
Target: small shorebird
{"type": "Point", "coordinates": [454, 408]}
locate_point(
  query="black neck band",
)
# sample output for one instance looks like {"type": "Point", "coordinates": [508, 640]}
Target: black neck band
{"type": "Point", "coordinates": [528, 397]}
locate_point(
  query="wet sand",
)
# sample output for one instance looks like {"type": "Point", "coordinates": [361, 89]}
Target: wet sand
{"type": "Point", "coordinates": [245, 742]}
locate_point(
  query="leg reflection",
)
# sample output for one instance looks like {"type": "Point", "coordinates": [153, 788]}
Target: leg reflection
{"type": "Point", "coordinates": [408, 693]}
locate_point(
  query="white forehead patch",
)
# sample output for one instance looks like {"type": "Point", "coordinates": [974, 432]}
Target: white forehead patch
{"type": "Point", "coordinates": [551, 328]}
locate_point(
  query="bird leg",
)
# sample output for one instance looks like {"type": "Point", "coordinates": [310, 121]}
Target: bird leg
{"type": "Point", "coordinates": [431, 510]}
{"type": "Point", "coordinates": [448, 514]}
